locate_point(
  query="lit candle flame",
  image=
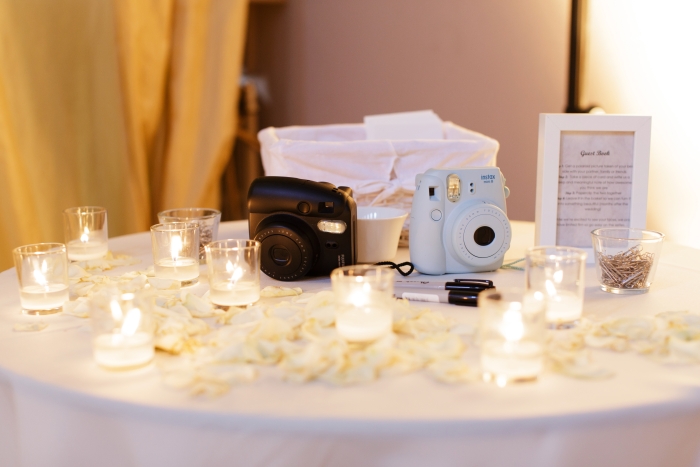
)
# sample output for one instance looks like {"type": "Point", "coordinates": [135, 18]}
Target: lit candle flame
{"type": "Point", "coordinates": [131, 322]}
{"type": "Point", "coordinates": [360, 297]}
{"type": "Point", "coordinates": [39, 273]}
{"type": "Point", "coordinates": [86, 235]}
{"type": "Point", "coordinates": [116, 310]}
{"type": "Point", "coordinates": [551, 289]}
{"type": "Point", "coordinates": [558, 276]}
{"type": "Point", "coordinates": [512, 326]}
{"type": "Point", "coordinates": [175, 246]}
{"type": "Point", "coordinates": [235, 271]}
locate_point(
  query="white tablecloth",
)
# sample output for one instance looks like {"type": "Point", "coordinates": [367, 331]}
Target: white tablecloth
{"type": "Point", "coordinates": [58, 408]}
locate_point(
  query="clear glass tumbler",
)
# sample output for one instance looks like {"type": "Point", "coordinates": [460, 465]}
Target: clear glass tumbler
{"type": "Point", "coordinates": [42, 270]}
{"type": "Point", "coordinates": [364, 297]}
{"type": "Point", "coordinates": [511, 335]}
{"type": "Point", "coordinates": [559, 274]}
{"type": "Point", "coordinates": [85, 232]}
{"type": "Point", "coordinates": [122, 329]}
{"type": "Point", "coordinates": [176, 251]}
{"type": "Point", "coordinates": [234, 272]}
{"type": "Point", "coordinates": [626, 259]}
{"type": "Point", "coordinates": [208, 220]}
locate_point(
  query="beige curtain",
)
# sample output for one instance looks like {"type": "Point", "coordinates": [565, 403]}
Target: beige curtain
{"type": "Point", "coordinates": [126, 104]}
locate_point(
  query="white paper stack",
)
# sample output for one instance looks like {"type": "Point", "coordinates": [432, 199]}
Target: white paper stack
{"type": "Point", "coordinates": [424, 124]}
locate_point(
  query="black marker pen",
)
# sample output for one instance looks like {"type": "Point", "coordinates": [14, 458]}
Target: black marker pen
{"type": "Point", "coordinates": [454, 297]}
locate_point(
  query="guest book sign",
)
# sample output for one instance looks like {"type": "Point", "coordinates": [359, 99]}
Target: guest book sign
{"type": "Point", "coordinates": [592, 172]}
{"type": "Point", "coordinates": [595, 184]}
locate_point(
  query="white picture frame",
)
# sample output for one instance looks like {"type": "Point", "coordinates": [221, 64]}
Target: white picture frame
{"type": "Point", "coordinates": [562, 133]}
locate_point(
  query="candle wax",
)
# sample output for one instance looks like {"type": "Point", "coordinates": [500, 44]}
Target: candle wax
{"type": "Point", "coordinates": [512, 360]}
{"type": "Point", "coordinates": [43, 297]}
{"type": "Point", "coordinates": [181, 269]}
{"type": "Point", "coordinates": [564, 307]}
{"type": "Point", "coordinates": [240, 293]}
{"type": "Point", "coordinates": [121, 351]}
{"type": "Point", "coordinates": [363, 323]}
{"type": "Point", "coordinates": [82, 251]}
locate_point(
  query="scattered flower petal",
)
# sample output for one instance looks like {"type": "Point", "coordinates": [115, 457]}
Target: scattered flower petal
{"type": "Point", "coordinates": [29, 327]}
{"type": "Point", "coordinates": [275, 291]}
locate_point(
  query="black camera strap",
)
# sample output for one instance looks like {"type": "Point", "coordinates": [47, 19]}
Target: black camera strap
{"type": "Point", "coordinates": [398, 266]}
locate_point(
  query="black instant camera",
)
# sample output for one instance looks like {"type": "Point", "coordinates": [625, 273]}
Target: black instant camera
{"type": "Point", "coordinates": [304, 227]}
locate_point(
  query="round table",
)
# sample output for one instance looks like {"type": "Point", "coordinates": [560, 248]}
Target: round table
{"type": "Point", "coordinates": [57, 407]}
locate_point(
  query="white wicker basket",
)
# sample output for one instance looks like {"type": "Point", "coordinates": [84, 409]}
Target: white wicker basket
{"type": "Point", "coordinates": [380, 172]}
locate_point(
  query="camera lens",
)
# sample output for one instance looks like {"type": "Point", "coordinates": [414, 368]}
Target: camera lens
{"type": "Point", "coordinates": [286, 253]}
{"type": "Point", "coordinates": [480, 235]}
{"type": "Point", "coordinates": [484, 235]}
{"type": "Point", "coordinates": [280, 255]}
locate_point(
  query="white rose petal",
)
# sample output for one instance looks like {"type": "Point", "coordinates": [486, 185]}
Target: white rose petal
{"type": "Point", "coordinates": [29, 327]}
{"type": "Point", "coordinates": [81, 289]}
{"type": "Point", "coordinates": [275, 291]}
{"type": "Point", "coordinates": [163, 284]}
{"type": "Point", "coordinates": [79, 308]}
{"type": "Point", "coordinates": [200, 308]}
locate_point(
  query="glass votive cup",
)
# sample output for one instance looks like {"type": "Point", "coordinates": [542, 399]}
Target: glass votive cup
{"type": "Point", "coordinates": [42, 271]}
{"type": "Point", "coordinates": [207, 219]}
{"type": "Point", "coordinates": [122, 329]}
{"type": "Point", "coordinates": [626, 259]}
{"type": "Point", "coordinates": [511, 335]}
{"type": "Point", "coordinates": [558, 273]}
{"type": "Point", "coordinates": [234, 272]}
{"type": "Point", "coordinates": [364, 298]}
{"type": "Point", "coordinates": [85, 232]}
{"type": "Point", "coordinates": [176, 251]}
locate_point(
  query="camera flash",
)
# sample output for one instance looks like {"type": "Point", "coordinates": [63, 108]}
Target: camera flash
{"type": "Point", "coordinates": [454, 189]}
{"type": "Point", "coordinates": [334, 227]}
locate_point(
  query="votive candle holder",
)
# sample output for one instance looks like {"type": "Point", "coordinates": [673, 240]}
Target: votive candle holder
{"type": "Point", "coordinates": [234, 272]}
{"type": "Point", "coordinates": [364, 299]}
{"type": "Point", "coordinates": [558, 273]}
{"type": "Point", "coordinates": [176, 251]}
{"type": "Point", "coordinates": [85, 232]}
{"type": "Point", "coordinates": [511, 335]}
{"type": "Point", "coordinates": [42, 271]}
{"type": "Point", "coordinates": [207, 219]}
{"type": "Point", "coordinates": [122, 329]}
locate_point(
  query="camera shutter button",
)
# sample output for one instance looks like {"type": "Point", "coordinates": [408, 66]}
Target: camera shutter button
{"type": "Point", "coordinates": [304, 207]}
{"type": "Point", "coordinates": [436, 214]}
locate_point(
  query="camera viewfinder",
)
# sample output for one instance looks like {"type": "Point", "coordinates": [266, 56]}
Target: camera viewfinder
{"type": "Point", "coordinates": [432, 193]}
{"type": "Point", "coordinates": [325, 207]}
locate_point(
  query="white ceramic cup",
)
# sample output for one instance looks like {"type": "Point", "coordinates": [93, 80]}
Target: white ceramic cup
{"type": "Point", "coordinates": [378, 231]}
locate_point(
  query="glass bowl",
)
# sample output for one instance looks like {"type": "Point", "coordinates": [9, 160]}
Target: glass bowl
{"type": "Point", "coordinates": [626, 259]}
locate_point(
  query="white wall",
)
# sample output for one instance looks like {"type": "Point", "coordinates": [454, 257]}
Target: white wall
{"type": "Point", "coordinates": [489, 65]}
{"type": "Point", "coordinates": [643, 58]}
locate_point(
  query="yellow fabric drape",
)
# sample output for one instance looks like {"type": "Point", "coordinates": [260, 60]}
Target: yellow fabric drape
{"type": "Point", "coordinates": [126, 104]}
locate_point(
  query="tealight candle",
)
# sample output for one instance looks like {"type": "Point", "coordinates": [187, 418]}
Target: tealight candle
{"type": "Point", "coordinates": [234, 272]}
{"type": "Point", "coordinates": [512, 336]}
{"type": "Point", "coordinates": [564, 307]}
{"type": "Point", "coordinates": [557, 274]}
{"type": "Point", "coordinates": [122, 351]}
{"type": "Point", "coordinates": [178, 268]}
{"type": "Point", "coordinates": [85, 231]}
{"type": "Point", "coordinates": [42, 270]}
{"type": "Point", "coordinates": [176, 251]}
{"type": "Point", "coordinates": [122, 330]}
{"type": "Point", "coordinates": [364, 302]}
